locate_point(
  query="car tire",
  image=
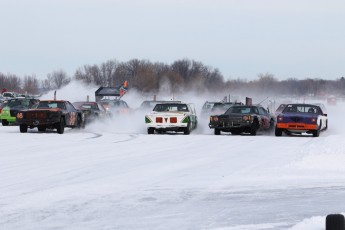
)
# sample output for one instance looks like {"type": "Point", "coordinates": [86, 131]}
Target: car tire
{"type": "Point", "coordinates": [335, 222]}
{"type": "Point", "coordinates": [254, 128]}
{"type": "Point", "coordinates": [80, 123]}
{"type": "Point", "coordinates": [216, 131]}
{"type": "Point", "coordinates": [4, 122]}
{"type": "Point", "coordinates": [23, 128]}
{"type": "Point", "coordinates": [278, 132]}
{"type": "Point", "coordinates": [187, 129]}
{"type": "Point", "coordinates": [150, 131]}
{"type": "Point", "coordinates": [316, 133]}
{"type": "Point", "coordinates": [41, 128]}
{"type": "Point", "coordinates": [60, 127]}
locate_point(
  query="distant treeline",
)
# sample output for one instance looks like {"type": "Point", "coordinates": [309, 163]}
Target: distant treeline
{"type": "Point", "coordinates": [182, 75]}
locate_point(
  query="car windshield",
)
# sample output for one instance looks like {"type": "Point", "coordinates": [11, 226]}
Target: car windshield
{"type": "Point", "coordinates": [171, 108]}
{"type": "Point", "coordinates": [222, 106]}
{"type": "Point", "coordinates": [20, 103]}
{"type": "Point", "coordinates": [242, 110]}
{"type": "Point", "coordinates": [120, 104]}
{"type": "Point", "coordinates": [81, 105]}
{"type": "Point", "coordinates": [301, 109]}
{"type": "Point", "coordinates": [51, 104]}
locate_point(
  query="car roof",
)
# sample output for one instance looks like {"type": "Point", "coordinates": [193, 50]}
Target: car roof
{"type": "Point", "coordinates": [52, 101]}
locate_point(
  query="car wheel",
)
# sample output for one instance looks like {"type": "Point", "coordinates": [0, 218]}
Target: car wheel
{"type": "Point", "coordinates": [278, 132]}
{"type": "Point", "coordinates": [23, 128]}
{"type": "Point", "coordinates": [41, 128]}
{"type": "Point", "coordinates": [4, 122]}
{"type": "Point", "coordinates": [216, 131]}
{"type": "Point", "coordinates": [187, 129]}
{"type": "Point", "coordinates": [60, 126]}
{"type": "Point", "coordinates": [316, 133]}
{"type": "Point", "coordinates": [80, 123]}
{"type": "Point", "coordinates": [254, 128]}
{"type": "Point", "coordinates": [150, 131]}
{"type": "Point", "coordinates": [335, 222]}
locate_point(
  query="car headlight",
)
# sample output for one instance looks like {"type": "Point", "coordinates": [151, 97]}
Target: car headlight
{"type": "Point", "coordinates": [215, 119]}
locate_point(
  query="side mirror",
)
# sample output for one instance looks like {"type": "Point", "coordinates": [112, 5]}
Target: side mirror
{"type": "Point", "coordinates": [325, 114]}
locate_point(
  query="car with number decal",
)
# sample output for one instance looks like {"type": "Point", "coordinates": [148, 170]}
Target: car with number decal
{"type": "Point", "coordinates": [178, 117]}
{"type": "Point", "coordinates": [242, 119]}
{"type": "Point", "coordinates": [10, 108]}
{"type": "Point", "coordinates": [302, 118]}
{"type": "Point", "coordinates": [50, 114]}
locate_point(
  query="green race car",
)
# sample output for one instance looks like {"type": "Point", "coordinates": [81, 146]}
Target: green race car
{"type": "Point", "coordinates": [12, 106]}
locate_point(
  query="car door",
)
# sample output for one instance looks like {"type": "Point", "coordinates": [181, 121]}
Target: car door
{"type": "Point", "coordinates": [264, 118]}
{"type": "Point", "coordinates": [71, 114]}
{"type": "Point", "coordinates": [323, 118]}
{"type": "Point", "coordinates": [192, 115]}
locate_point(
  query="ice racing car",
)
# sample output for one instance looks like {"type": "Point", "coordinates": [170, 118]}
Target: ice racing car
{"type": "Point", "coordinates": [11, 107]}
{"type": "Point", "coordinates": [92, 110]}
{"type": "Point", "coordinates": [178, 117]}
{"type": "Point", "coordinates": [242, 119]}
{"type": "Point", "coordinates": [54, 114]}
{"type": "Point", "coordinates": [301, 118]}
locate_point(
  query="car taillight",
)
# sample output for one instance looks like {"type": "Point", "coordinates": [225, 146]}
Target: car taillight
{"type": "Point", "coordinates": [159, 120]}
{"type": "Point", "coordinates": [313, 120]}
{"type": "Point", "coordinates": [173, 119]}
{"type": "Point", "coordinates": [280, 118]}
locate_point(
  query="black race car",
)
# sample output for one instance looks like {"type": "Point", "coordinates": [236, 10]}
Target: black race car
{"type": "Point", "coordinates": [50, 115]}
{"type": "Point", "coordinates": [92, 110]}
{"type": "Point", "coordinates": [242, 119]}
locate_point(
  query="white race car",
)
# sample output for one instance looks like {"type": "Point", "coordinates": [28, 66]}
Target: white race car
{"type": "Point", "coordinates": [178, 117]}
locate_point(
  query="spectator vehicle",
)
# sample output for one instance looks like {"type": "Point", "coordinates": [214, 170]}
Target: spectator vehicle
{"type": "Point", "coordinates": [178, 117]}
{"type": "Point", "coordinates": [242, 119]}
{"type": "Point", "coordinates": [301, 118]}
{"type": "Point", "coordinates": [10, 108]}
{"type": "Point", "coordinates": [92, 110]}
{"type": "Point", "coordinates": [54, 114]}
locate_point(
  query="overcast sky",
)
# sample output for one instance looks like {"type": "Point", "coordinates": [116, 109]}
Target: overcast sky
{"type": "Point", "coordinates": [242, 38]}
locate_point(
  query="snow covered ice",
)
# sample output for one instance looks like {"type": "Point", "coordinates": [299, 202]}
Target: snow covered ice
{"type": "Point", "coordinates": [112, 175]}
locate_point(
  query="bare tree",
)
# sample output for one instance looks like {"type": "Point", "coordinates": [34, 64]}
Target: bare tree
{"type": "Point", "coordinates": [58, 79]}
{"type": "Point", "coordinates": [30, 84]}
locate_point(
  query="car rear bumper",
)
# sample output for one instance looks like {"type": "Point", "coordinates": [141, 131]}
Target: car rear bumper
{"type": "Point", "coordinates": [297, 126]}
{"type": "Point", "coordinates": [167, 126]}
